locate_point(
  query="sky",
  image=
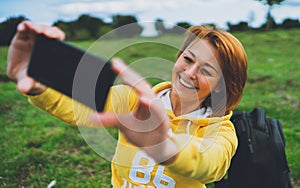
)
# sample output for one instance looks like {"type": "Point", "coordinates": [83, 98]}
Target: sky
{"type": "Point", "coordinates": [196, 12]}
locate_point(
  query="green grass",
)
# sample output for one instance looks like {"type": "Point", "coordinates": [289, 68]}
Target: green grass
{"type": "Point", "coordinates": [36, 148]}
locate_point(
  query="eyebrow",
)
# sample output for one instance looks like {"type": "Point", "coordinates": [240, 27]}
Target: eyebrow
{"type": "Point", "coordinates": [212, 67]}
{"type": "Point", "coordinates": [206, 64]}
{"type": "Point", "coordinates": [192, 53]}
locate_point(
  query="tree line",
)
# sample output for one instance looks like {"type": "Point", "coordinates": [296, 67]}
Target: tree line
{"type": "Point", "coordinates": [87, 27]}
{"type": "Point", "coordinates": [288, 23]}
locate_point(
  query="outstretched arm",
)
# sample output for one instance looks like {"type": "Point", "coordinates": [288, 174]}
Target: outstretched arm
{"type": "Point", "coordinates": [146, 127]}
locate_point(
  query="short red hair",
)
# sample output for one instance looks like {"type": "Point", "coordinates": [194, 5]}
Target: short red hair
{"type": "Point", "coordinates": [233, 62]}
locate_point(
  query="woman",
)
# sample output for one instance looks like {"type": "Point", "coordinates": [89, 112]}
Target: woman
{"type": "Point", "coordinates": [177, 134]}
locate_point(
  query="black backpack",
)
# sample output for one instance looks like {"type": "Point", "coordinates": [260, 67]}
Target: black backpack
{"type": "Point", "coordinates": [260, 160]}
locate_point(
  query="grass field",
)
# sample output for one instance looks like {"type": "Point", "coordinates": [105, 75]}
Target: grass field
{"type": "Point", "coordinates": [36, 148]}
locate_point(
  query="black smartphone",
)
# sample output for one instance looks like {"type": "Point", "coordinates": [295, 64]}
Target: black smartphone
{"type": "Point", "coordinates": [80, 75]}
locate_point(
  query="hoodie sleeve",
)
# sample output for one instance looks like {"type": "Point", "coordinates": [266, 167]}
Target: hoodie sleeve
{"type": "Point", "coordinates": [75, 113]}
{"type": "Point", "coordinates": [61, 107]}
{"type": "Point", "coordinates": [205, 158]}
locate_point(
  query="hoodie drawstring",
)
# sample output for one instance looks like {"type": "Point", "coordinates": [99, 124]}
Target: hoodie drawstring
{"type": "Point", "coordinates": [187, 129]}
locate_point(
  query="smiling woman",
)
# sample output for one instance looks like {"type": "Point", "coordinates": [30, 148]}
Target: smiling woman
{"type": "Point", "coordinates": [195, 74]}
{"type": "Point", "coordinates": [220, 56]}
{"type": "Point", "coordinates": [176, 134]}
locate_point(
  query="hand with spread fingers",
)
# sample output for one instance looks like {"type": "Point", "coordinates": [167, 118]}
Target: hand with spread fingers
{"type": "Point", "coordinates": [148, 125]}
{"type": "Point", "coordinates": [19, 54]}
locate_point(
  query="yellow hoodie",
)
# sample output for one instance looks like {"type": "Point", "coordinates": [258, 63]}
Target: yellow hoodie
{"type": "Point", "coordinates": [206, 144]}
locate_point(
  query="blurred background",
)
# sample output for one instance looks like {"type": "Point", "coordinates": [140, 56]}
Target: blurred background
{"type": "Point", "coordinates": [37, 149]}
{"type": "Point", "coordinates": [86, 19]}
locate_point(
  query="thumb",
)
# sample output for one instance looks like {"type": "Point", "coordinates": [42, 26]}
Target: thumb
{"type": "Point", "coordinates": [25, 85]}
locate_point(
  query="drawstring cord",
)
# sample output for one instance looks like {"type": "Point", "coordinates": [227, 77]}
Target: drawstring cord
{"type": "Point", "coordinates": [187, 129]}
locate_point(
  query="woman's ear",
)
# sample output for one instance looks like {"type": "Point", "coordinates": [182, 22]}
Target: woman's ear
{"type": "Point", "coordinates": [217, 89]}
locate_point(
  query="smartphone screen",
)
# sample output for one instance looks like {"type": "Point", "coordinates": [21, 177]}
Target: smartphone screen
{"type": "Point", "coordinates": [78, 74]}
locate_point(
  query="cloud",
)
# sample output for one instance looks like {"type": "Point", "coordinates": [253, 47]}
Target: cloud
{"type": "Point", "coordinates": [134, 6]}
{"type": "Point", "coordinates": [2, 19]}
{"type": "Point", "coordinates": [106, 7]}
{"type": "Point", "coordinates": [281, 13]}
{"type": "Point", "coordinates": [291, 3]}
{"type": "Point", "coordinates": [171, 11]}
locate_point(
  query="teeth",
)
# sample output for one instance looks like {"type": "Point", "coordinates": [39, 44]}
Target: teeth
{"type": "Point", "coordinates": [186, 84]}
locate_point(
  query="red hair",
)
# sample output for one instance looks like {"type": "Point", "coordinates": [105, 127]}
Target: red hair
{"type": "Point", "coordinates": [232, 60]}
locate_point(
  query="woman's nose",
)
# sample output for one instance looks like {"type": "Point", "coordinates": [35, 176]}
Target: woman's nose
{"type": "Point", "coordinates": [191, 71]}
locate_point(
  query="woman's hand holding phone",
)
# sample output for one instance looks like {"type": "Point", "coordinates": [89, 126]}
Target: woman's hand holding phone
{"type": "Point", "coordinates": [20, 51]}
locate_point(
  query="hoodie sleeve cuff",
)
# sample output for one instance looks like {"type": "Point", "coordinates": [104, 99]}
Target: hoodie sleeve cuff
{"type": "Point", "coordinates": [47, 98]}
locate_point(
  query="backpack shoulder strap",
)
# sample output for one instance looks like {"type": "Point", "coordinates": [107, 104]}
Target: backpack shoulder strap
{"type": "Point", "coordinates": [279, 147]}
{"type": "Point", "coordinates": [259, 116]}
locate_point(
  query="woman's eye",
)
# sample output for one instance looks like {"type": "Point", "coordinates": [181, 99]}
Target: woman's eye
{"type": "Point", "coordinates": [188, 59]}
{"type": "Point", "coordinates": [206, 72]}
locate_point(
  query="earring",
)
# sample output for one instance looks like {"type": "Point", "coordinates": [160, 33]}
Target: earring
{"type": "Point", "coordinates": [217, 89]}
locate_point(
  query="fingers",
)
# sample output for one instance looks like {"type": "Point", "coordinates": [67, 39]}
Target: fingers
{"type": "Point", "coordinates": [55, 32]}
{"type": "Point", "coordinates": [28, 85]}
{"type": "Point", "coordinates": [25, 85]}
{"type": "Point", "coordinates": [26, 27]}
{"type": "Point", "coordinates": [148, 103]}
{"type": "Point", "coordinates": [107, 119]}
{"type": "Point", "coordinates": [133, 79]}
{"type": "Point", "coordinates": [129, 76]}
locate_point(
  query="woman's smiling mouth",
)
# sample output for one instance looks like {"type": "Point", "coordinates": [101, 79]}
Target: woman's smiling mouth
{"type": "Point", "coordinates": [186, 84]}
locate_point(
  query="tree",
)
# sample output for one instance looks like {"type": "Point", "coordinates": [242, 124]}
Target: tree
{"type": "Point", "coordinates": [184, 25]}
{"type": "Point", "coordinates": [159, 26]}
{"type": "Point", "coordinates": [270, 3]}
{"type": "Point", "coordinates": [85, 27]}
{"type": "Point", "coordinates": [241, 26]}
{"type": "Point", "coordinates": [91, 24]}
{"type": "Point", "coordinates": [132, 28]}
{"type": "Point", "coordinates": [290, 23]}
{"type": "Point", "coordinates": [179, 28]}
{"type": "Point", "coordinates": [8, 29]}
{"type": "Point", "coordinates": [66, 27]}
